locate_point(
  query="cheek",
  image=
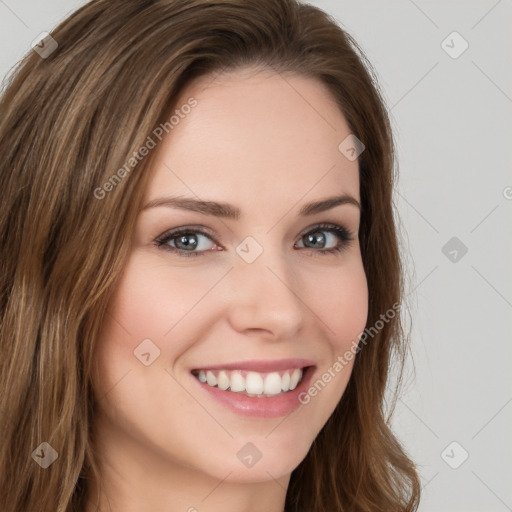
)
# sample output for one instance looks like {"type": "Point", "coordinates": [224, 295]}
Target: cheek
{"type": "Point", "coordinates": [138, 310]}
{"type": "Point", "coordinates": [342, 304]}
{"type": "Point", "coordinates": [156, 302]}
{"type": "Point", "coordinates": [341, 300]}
{"type": "Point", "coordinates": [151, 301]}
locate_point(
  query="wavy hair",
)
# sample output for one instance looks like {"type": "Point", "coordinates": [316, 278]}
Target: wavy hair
{"type": "Point", "coordinates": [67, 122]}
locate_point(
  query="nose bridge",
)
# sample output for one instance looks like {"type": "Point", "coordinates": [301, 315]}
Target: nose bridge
{"type": "Point", "coordinates": [267, 295]}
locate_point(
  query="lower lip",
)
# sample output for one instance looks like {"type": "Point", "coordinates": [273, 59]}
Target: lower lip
{"type": "Point", "coordinates": [264, 407]}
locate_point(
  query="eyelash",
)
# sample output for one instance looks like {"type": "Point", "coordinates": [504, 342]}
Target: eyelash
{"type": "Point", "coordinates": [341, 232]}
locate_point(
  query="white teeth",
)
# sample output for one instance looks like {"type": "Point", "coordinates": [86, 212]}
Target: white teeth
{"type": "Point", "coordinates": [237, 382]}
{"type": "Point", "coordinates": [285, 382]}
{"type": "Point", "coordinates": [294, 379]}
{"type": "Point", "coordinates": [211, 379]}
{"type": "Point", "coordinates": [222, 381]}
{"type": "Point", "coordinates": [252, 383]}
{"type": "Point", "coordinates": [272, 384]}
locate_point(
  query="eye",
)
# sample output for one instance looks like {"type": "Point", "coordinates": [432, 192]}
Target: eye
{"type": "Point", "coordinates": [185, 241]}
{"type": "Point", "coordinates": [339, 235]}
{"type": "Point", "coordinates": [192, 241]}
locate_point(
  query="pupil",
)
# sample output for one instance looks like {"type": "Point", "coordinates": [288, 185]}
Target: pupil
{"type": "Point", "coordinates": [184, 239]}
{"type": "Point", "coordinates": [314, 238]}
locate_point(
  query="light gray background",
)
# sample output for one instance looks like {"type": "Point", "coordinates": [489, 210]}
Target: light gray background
{"type": "Point", "coordinates": [451, 119]}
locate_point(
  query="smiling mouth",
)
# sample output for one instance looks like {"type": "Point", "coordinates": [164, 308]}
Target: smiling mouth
{"type": "Point", "coordinates": [251, 383]}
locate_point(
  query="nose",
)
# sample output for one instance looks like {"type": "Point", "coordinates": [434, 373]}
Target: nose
{"type": "Point", "coordinates": [266, 295]}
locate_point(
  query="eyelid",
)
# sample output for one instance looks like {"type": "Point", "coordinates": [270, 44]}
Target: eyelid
{"type": "Point", "coordinates": [325, 225]}
{"type": "Point", "coordinates": [187, 228]}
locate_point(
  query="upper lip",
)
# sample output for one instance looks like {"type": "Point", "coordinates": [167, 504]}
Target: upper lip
{"type": "Point", "coordinates": [260, 365]}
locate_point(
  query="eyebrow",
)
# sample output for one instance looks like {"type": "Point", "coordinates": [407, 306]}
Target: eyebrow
{"type": "Point", "coordinates": [228, 211]}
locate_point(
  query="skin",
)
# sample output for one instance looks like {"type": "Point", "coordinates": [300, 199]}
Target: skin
{"type": "Point", "coordinates": [268, 144]}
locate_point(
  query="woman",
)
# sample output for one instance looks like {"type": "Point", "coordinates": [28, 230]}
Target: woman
{"type": "Point", "coordinates": [201, 275]}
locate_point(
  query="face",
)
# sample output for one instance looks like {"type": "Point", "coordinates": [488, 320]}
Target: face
{"type": "Point", "coordinates": [261, 294]}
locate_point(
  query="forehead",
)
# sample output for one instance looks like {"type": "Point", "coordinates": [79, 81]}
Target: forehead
{"type": "Point", "coordinates": [255, 134]}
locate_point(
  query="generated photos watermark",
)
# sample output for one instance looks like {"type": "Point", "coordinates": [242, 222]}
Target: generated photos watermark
{"type": "Point", "coordinates": [144, 150]}
{"type": "Point", "coordinates": [343, 360]}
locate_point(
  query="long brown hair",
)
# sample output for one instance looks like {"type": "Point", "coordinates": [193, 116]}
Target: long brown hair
{"type": "Point", "coordinates": [68, 122]}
